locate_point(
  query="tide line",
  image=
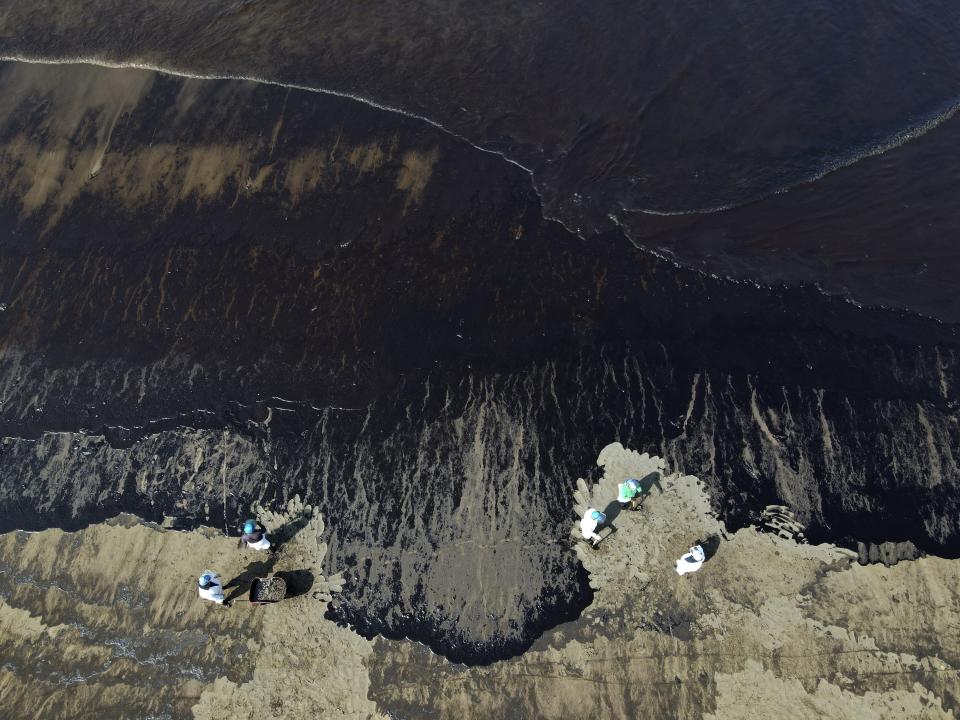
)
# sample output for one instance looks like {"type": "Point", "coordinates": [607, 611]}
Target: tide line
{"type": "Point", "coordinates": [900, 137]}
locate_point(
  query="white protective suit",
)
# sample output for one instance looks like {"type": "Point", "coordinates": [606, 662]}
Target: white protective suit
{"type": "Point", "coordinates": [261, 544]}
{"type": "Point", "coordinates": [692, 561]}
{"type": "Point", "coordinates": [588, 526]}
{"type": "Point", "coordinates": [214, 590]}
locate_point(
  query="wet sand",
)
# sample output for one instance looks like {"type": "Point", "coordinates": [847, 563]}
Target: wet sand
{"type": "Point", "coordinates": [116, 629]}
{"type": "Point", "coordinates": [766, 627]}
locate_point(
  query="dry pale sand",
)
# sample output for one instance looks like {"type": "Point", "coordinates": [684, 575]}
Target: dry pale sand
{"type": "Point", "coordinates": [106, 623]}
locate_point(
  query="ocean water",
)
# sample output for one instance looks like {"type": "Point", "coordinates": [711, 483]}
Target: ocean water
{"type": "Point", "coordinates": [618, 109]}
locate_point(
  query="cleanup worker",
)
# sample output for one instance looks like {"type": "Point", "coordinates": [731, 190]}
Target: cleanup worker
{"type": "Point", "coordinates": [592, 519]}
{"type": "Point", "coordinates": [692, 561]}
{"type": "Point", "coordinates": [254, 535]}
{"type": "Point", "coordinates": [211, 588]}
{"type": "Point", "coordinates": [628, 495]}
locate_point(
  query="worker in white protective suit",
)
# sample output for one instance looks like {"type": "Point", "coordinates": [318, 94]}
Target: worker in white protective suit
{"type": "Point", "coordinates": [692, 561]}
{"type": "Point", "coordinates": [592, 519]}
{"type": "Point", "coordinates": [254, 535]}
{"type": "Point", "coordinates": [210, 587]}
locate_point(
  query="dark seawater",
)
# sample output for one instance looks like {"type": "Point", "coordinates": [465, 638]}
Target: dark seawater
{"type": "Point", "coordinates": [882, 231]}
{"type": "Point", "coordinates": [622, 109]}
{"type": "Point", "coordinates": [221, 292]}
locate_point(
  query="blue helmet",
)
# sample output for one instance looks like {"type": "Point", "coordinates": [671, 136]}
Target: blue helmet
{"type": "Point", "coordinates": [633, 484]}
{"type": "Point", "coordinates": [205, 579]}
{"type": "Point", "coordinates": [598, 516]}
{"type": "Point", "coordinates": [249, 526]}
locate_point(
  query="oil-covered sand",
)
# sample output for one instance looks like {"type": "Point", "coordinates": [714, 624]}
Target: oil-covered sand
{"type": "Point", "coordinates": [106, 622]}
{"type": "Point", "coordinates": [225, 294]}
{"type": "Point", "coordinates": [220, 293]}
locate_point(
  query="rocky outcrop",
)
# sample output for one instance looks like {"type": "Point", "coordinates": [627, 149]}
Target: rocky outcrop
{"type": "Point", "coordinates": [888, 553]}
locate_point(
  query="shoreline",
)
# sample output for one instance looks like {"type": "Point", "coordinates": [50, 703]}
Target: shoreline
{"type": "Point", "coordinates": [761, 614]}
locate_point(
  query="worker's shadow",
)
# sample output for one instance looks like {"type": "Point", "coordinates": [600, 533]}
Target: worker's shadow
{"type": "Point", "coordinates": [612, 510]}
{"type": "Point", "coordinates": [298, 582]}
{"type": "Point", "coordinates": [281, 535]}
{"type": "Point", "coordinates": [241, 583]}
{"type": "Point", "coordinates": [649, 481]}
{"type": "Point", "coordinates": [710, 545]}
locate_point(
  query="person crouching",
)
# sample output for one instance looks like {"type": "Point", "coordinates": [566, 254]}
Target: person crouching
{"type": "Point", "coordinates": [629, 495]}
{"type": "Point", "coordinates": [255, 536]}
{"type": "Point", "coordinates": [210, 588]}
{"type": "Point", "coordinates": [691, 561]}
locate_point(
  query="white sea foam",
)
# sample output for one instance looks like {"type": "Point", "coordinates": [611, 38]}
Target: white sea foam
{"type": "Point", "coordinates": [900, 137]}
{"type": "Point", "coordinates": [923, 125]}
{"type": "Point", "coordinates": [168, 70]}
{"type": "Point", "coordinates": [897, 139]}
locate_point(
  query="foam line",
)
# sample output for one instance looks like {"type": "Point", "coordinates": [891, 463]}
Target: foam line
{"type": "Point", "coordinates": [901, 137]}
{"type": "Point", "coordinates": [257, 79]}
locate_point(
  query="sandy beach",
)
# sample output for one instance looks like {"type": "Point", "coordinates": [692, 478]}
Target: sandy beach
{"type": "Point", "coordinates": [107, 620]}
